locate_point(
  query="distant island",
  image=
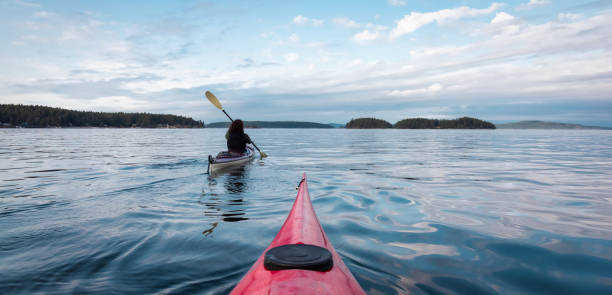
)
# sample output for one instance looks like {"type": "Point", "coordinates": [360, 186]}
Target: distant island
{"type": "Point", "coordinates": [272, 124]}
{"type": "Point", "coordinates": [368, 123]}
{"type": "Point", "coordinates": [420, 123]}
{"type": "Point", "coordinates": [336, 125]}
{"type": "Point", "coordinates": [546, 125]}
{"type": "Point", "coordinates": [459, 123]}
{"type": "Point", "coordinates": [33, 116]}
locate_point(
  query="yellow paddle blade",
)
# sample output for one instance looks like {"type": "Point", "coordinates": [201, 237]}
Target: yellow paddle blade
{"type": "Point", "coordinates": [262, 155]}
{"type": "Point", "coordinates": [213, 99]}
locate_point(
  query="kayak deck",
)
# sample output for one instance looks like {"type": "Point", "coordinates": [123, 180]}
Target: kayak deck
{"type": "Point", "coordinates": [300, 227]}
{"type": "Point", "coordinates": [220, 162]}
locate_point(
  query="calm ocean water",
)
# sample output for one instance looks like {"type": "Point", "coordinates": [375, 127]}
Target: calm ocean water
{"type": "Point", "coordinates": [132, 211]}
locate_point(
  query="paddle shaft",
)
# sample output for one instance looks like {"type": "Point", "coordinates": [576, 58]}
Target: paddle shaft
{"type": "Point", "coordinates": [233, 121]}
{"type": "Point", "coordinates": [228, 116]}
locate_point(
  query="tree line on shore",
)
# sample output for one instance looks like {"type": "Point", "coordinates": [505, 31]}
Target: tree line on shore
{"type": "Point", "coordinates": [271, 124]}
{"type": "Point", "coordinates": [34, 116]}
{"type": "Point", "coordinates": [420, 123]}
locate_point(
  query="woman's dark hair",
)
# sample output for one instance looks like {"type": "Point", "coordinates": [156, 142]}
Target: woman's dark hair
{"type": "Point", "coordinates": [237, 127]}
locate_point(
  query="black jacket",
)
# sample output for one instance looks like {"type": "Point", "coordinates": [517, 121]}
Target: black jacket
{"type": "Point", "coordinates": [237, 142]}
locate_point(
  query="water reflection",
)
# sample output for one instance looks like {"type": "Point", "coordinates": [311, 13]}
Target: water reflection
{"type": "Point", "coordinates": [210, 230]}
{"type": "Point", "coordinates": [409, 211]}
{"type": "Point", "coordinates": [226, 205]}
{"type": "Point", "coordinates": [235, 181]}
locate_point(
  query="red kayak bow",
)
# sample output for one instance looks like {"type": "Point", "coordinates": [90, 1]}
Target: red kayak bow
{"type": "Point", "coordinates": [300, 259]}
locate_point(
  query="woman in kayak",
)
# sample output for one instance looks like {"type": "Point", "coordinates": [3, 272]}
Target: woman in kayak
{"type": "Point", "coordinates": [236, 138]}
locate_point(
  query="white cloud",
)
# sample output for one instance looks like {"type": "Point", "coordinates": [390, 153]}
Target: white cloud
{"type": "Point", "coordinates": [530, 62]}
{"type": "Point", "coordinates": [120, 103]}
{"type": "Point", "coordinates": [102, 66]}
{"type": "Point", "coordinates": [315, 44]}
{"type": "Point", "coordinates": [377, 27]}
{"type": "Point", "coordinates": [397, 2]}
{"type": "Point", "coordinates": [118, 46]}
{"type": "Point", "coordinates": [538, 2]}
{"type": "Point", "coordinates": [435, 87]}
{"type": "Point", "coordinates": [104, 103]}
{"type": "Point", "coordinates": [44, 14]}
{"type": "Point", "coordinates": [569, 16]}
{"type": "Point", "coordinates": [569, 58]}
{"type": "Point", "coordinates": [291, 57]}
{"type": "Point", "coordinates": [351, 24]}
{"type": "Point", "coordinates": [302, 20]}
{"type": "Point", "coordinates": [533, 4]}
{"type": "Point", "coordinates": [294, 38]}
{"type": "Point", "coordinates": [26, 3]}
{"type": "Point", "coordinates": [502, 17]}
{"type": "Point", "coordinates": [74, 30]}
{"type": "Point", "coordinates": [503, 23]}
{"type": "Point", "coordinates": [346, 22]}
{"type": "Point", "coordinates": [170, 79]}
{"type": "Point", "coordinates": [415, 20]}
{"type": "Point", "coordinates": [69, 34]}
{"type": "Point", "coordinates": [366, 36]}
{"type": "Point", "coordinates": [317, 22]}
{"type": "Point", "coordinates": [431, 89]}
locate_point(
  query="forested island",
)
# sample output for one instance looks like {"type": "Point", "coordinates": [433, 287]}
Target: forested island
{"type": "Point", "coordinates": [33, 116]}
{"type": "Point", "coordinates": [272, 124]}
{"type": "Point", "coordinates": [459, 123]}
{"type": "Point", "coordinates": [546, 125]}
{"type": "Point", "coordinates": [420, 123]}
{"type": "Point", "coordinates": [368, 123]}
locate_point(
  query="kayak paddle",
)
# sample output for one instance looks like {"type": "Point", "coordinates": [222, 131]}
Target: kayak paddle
{"type": "Point", "coordinates": [213, 99]}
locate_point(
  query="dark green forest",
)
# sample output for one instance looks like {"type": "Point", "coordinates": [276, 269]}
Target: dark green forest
{"type": "Point", "coordinates": [460, 123]}
{"type": "Point", "coordinates": [368, 123]}
{"type": "Point", "coordinates": [33, 116]}
{"type": "Point", "coordinates": [420, 123]}
{"type": "Point", "coordinates": [272, 124]}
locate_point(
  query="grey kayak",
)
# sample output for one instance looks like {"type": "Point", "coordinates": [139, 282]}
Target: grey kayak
{"type": "Point", "coordinates": [224, 160]}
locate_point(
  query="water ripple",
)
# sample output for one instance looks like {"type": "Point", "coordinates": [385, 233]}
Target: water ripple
{"type": "Point", "coordinates": [131, 211]}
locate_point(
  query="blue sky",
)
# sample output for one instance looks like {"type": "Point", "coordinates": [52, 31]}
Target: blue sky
{"type": "Point", "coordinates": [313, 60]}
